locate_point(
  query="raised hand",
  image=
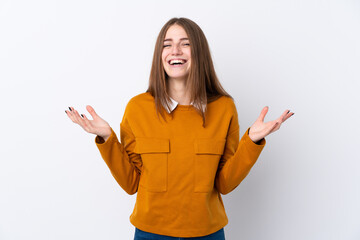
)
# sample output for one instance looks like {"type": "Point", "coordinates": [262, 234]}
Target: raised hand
{"type": "Point", "coordinates": [259, 129]}
{"type": "Point", "coordinates": [96, 126]}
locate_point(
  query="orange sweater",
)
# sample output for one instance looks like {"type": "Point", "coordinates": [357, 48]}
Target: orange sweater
{"type": "Point", "coordinates": [178, 168]}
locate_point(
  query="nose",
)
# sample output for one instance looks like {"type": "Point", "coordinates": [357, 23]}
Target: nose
{"type": "Point", "coordinates": [176, 50]}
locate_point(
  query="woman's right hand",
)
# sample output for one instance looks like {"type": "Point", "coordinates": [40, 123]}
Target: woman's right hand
{"type": "Point", "coordinates": [96, 126]}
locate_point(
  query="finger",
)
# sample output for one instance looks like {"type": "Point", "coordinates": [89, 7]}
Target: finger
{"type": "Point", "coordinates": [283, 116]}
{"type": "Point", "coordinates": [71, 115]}
{"type": "Point", "coordinates": [79, 119]}
{"type": "Point", "coordinates": [275, 127]}
{"type": "Point", "coordinates": [68, 113]}
{"type": "Point", "coordinates": [263, 113]}
{"type": "Point", "coordinates": [87, 123]}
{"type": "Point", "coordinates": [288, 116]}
{"type": "Point", "coordinates": [91, 111]}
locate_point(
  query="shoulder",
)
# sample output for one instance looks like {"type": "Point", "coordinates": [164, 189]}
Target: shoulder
{"type": "Point", "coordinates": [142, 97]}
{"type": "Point", "coordinates": [139, 105]}
{"type": "Point", "coordinates": [224, 103]}
{"type": "Point", "coordinates": [142, 100]}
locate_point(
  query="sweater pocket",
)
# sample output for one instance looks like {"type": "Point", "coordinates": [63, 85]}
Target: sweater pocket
{"type": "Point", "coordinates": [154, 154]}
{"type": "Point", "coordinates": [207, 156]}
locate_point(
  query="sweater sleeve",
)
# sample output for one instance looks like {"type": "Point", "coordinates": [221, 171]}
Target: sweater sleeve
{"type": "Point", "coordinates": [238, 157]}
{"type": "Point", "coordinates": [124, 164]}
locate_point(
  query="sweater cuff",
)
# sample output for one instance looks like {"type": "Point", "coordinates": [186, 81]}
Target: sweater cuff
{"type": "Point", "coordinates": [261, 143]}
{"type": "Point", "coordinates": [100, 141]}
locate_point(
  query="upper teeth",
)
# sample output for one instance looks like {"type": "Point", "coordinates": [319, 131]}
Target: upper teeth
{"type": "Point", "coordinates": [176, 61]}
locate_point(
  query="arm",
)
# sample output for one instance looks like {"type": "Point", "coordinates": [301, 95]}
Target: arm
{"type": "Point", "coordinates": [237, 161]}
{"type": "Point", "coordinates": [124, 164]}
{"type": "Point", "coordinates": [238, 157]}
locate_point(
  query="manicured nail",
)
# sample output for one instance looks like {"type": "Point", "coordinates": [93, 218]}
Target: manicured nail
{"type": "Point", "coordinates": [82, 115]}
{"type": "Point", "coordinates": [70, 109]}
{"type": "Point", "coordinates": [288, 112]}
{"type": "Point", "coordinates": [65, 112]}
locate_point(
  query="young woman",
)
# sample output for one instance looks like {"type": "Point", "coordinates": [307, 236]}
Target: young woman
{"type": "Point", "coordinates": [180, 145]}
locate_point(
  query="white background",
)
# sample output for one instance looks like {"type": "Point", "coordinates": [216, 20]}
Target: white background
{"type": "Point", "coordinates": [297, 55]}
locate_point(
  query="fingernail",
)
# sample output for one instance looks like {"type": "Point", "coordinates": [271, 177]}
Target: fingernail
{"type": "Point", "coordinates": [70, 109]}
{"type": "Point", "coordinates": [65, 112]}
{"type": "Point", "coordinates": [288, 112]}
{"type": "Point", "coordinates": [82, 115]}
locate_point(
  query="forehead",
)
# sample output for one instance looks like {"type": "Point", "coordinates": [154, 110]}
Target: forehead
{"type": "Point", "coordinates": [175, 32]}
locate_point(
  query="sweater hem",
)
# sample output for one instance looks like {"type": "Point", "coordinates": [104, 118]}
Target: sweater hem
{"type": "Point", "coordinates": [183, 233]}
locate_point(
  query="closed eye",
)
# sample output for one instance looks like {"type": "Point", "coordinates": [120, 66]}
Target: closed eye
{"type": "Point", "coordinates": [168, 45]}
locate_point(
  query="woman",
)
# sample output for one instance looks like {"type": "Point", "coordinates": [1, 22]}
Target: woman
{"type": "Point", "coordinates": [180, 143]}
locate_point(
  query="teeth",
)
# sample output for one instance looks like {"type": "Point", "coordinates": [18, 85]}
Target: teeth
{"type": "Point", "coordinates": [177, 61]}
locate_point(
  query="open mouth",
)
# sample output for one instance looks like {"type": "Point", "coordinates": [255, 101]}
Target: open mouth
{"type": "Point", "coordinates": [177, 62]}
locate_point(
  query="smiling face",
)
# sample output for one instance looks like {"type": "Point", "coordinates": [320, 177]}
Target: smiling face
{"type": "Point", "coordinates": [176, 54]}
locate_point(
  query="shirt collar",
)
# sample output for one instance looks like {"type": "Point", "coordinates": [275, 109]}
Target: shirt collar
{"type": "Point", "coordinates": [173, 105]}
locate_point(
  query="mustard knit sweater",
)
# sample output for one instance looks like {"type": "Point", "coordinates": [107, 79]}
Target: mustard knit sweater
{"type": "Point", "coordinates": [179, 168]}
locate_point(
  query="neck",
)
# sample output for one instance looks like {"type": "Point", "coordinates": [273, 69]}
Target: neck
{"type": "Point", "coordinates": [178, 91]}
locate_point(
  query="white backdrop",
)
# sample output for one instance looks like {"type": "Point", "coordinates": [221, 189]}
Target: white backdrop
{"type": "Point", "coordinates": [302, 55]}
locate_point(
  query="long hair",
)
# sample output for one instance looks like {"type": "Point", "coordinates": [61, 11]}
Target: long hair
{"type": "Point", "coordinates": [202, 81]}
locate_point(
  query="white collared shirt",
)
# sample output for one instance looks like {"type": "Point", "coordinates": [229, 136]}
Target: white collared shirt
{"type": "Point", "coordinates": [174, 104]}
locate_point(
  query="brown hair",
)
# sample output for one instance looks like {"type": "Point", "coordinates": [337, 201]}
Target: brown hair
{"type": "Point", "coordinates": [202, 80]}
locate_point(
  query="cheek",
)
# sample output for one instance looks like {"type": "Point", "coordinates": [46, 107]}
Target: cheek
{"type": "Point", "coordinates": [163, 57]}
{"type": "Point", "coordinates": [189, 56]}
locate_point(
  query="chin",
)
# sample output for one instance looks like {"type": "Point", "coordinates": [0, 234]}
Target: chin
{"type": "Point", "coordinates": [178, 75]}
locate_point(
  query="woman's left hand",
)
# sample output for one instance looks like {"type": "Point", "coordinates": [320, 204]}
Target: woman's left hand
{"type": "Point", "coordinates": [259, 129]}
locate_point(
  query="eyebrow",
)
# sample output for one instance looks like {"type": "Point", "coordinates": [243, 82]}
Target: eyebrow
{"type": "Point", "coordinates": [170, 39]}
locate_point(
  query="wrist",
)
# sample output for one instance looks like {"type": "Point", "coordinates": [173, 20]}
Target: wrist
{"type": "Point", "coordinates": [105, 138]}
{"type": "Point", "coordinates": [253, 139]}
